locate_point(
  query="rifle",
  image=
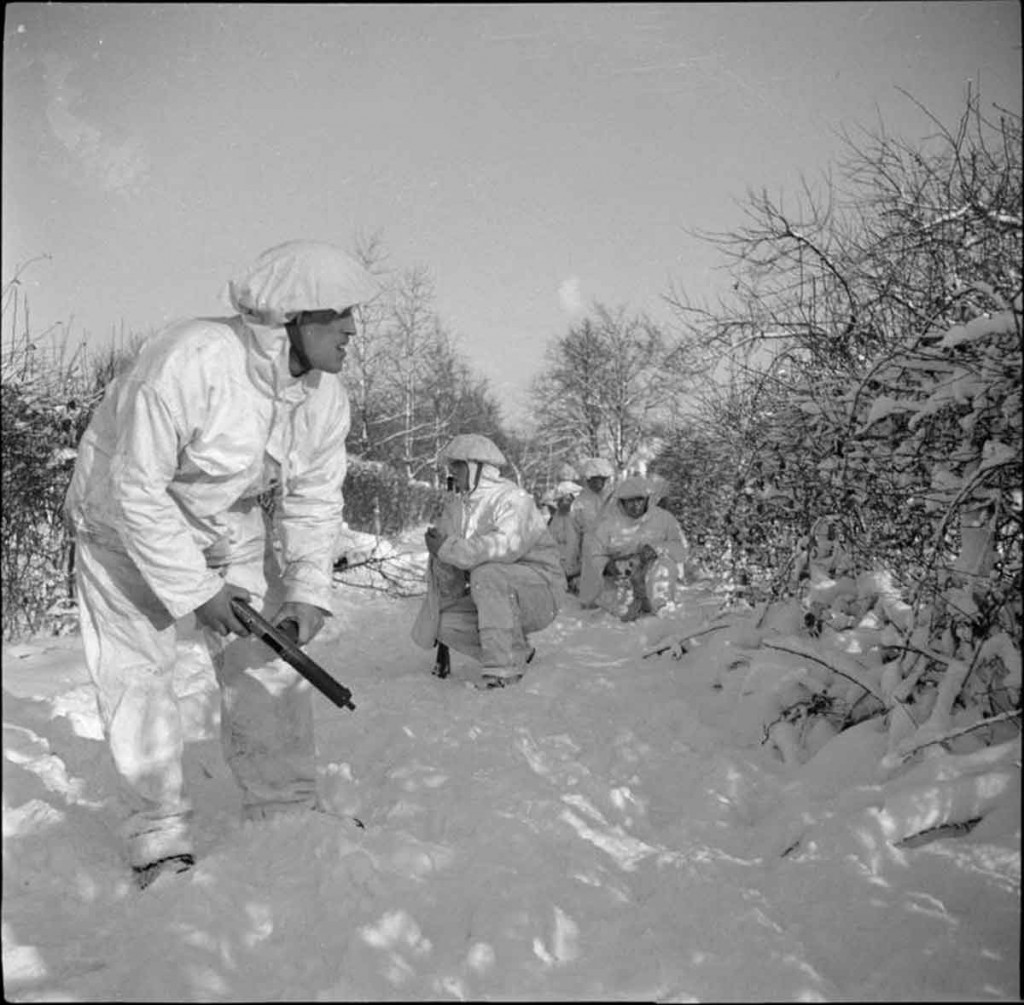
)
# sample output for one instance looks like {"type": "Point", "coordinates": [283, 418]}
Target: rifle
{"type": "Point", "coordinates": [282, 640]}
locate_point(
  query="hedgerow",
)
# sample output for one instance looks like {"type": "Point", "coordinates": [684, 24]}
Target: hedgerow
{"type": "Point", "coordinates": [46, 398]}
{"type": "Point", "coordinates": [863, 457]}
{"type": "Point", "coordinates": [380, 500]}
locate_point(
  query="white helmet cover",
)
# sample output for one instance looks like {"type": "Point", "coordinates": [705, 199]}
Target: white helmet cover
{"type": "Point", "coordinates": [567, 488]}
{"type": "Point", "coordinates": [472, 447]}
{"type": "Point", "coordinates": [299, 276]}
{"type": "Point", "coordinates": [633, 487]}
{"type": "Point", "coordinates": [597, 467]}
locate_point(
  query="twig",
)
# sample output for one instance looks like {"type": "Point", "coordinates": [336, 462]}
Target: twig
{"type": "Point", "coordinates": [373, 560]}
{"type": "Point", "coordinates": [926, 653]}
{"type": "Point", "coordinates": [953, 734]}
{"type": "Point", "coordinates": [828, 666]}
{"type": "Point", "coordinates": [377, 564]}
{"type": "Point", "coordinates": [664, 645]}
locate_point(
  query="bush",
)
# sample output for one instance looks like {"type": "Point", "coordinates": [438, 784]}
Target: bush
{"type": "Point", "coordinates": [36, 559]}
{"type": "Point", "coordinates": [46, 399]}
{"type": "Point", "coordinates": [379, 500]}
{"type": "Point", "coordinates": [872, 426]}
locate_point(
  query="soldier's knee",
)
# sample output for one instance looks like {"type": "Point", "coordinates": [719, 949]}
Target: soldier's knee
{"type": "Point", "coordinates": [487, 575]}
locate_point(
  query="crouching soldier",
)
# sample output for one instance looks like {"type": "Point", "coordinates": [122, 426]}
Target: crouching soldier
{"type": "Point", "coordinates": [636, 553]}
{"type": "Point", "coordinates": [494, 574]}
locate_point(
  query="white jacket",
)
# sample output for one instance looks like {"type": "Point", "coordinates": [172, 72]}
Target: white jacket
{"type": "Point", "coordinates": [587, 508]}
{"type": "Point", "coordinates": [617, 535]}
{"type": "Point", "coordinates": [496, 522]}
{"type": "Point", "coordinates": [207, 416]}
{"type": "Point", "coordinates": [563, 530]}
{"type": "Point", "coordinates": [499, 522]}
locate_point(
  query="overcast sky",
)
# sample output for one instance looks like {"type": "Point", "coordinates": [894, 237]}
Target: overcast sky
{"type": "Point", "coordinates": [535, 158]}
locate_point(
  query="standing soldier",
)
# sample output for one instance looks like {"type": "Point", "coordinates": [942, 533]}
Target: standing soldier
{"type": "Point", "coordinates": [164, 506]}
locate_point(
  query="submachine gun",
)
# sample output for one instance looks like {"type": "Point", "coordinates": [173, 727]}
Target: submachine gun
{"type": "Point", "coordinates": [281, 639]}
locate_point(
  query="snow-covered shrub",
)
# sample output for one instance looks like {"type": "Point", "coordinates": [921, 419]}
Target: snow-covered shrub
{"type": "Point", "coordinates": [380, 500]}
{"type": "Point", "coordinates": [37, 455]}
{"type": "Point", "coordinates": [871, 422]}
{"type": "Point", "coordinates": [48, 390]}
{"type": "Point", "coordinates": [48, 395]}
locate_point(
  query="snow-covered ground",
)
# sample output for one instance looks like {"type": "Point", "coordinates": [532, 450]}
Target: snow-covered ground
{"type": "Point", "coordinates": [610, 829]}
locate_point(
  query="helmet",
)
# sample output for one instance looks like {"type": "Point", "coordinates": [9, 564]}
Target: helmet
{"type": "Point", "coordinates": [632, 488]}
{"type": "Point", "coordinates": [299, 276]}
{"type": "Point", "coordinates": [567, 488]}
{"type": "Point", "coordinates": [472, 447]}
{"type": "Point", "coordinates": [597, 467]}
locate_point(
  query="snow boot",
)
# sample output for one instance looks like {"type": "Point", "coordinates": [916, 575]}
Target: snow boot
{"type": "Point", "coordinates": [490, 681]}
{"type": "Point", "coordinates": [147, 874]}
{"type": "Point", "coordinates": [443, 662]}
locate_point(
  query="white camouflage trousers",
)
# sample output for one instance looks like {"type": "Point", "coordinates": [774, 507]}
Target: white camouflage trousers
{"type": "Point", "coordinates": [505, 603]}
{"type": "Point", "coordinates": [266, 716]}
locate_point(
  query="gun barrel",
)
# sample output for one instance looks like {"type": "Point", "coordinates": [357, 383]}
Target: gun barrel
{"type": "Point", "coordinates": [290, 652]}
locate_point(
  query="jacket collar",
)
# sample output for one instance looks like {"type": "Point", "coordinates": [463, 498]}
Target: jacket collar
{"type": "Point", "coordinates": [267, 362]}
{"type": "Point", "coordinates": [489, 477]}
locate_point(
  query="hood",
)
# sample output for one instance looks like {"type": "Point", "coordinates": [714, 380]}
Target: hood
{"type": "Point", "coordinates": [299, 276]}
{"type": "Point", "coordinates": [267, 362]}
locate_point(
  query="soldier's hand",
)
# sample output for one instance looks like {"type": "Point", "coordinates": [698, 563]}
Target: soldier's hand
{"type": "Point", "coordinates": [217, 615]}
{"type": "Point", "coordinates": [647, 554]}
{"type": "Point", "coordinates": [308, 618]}
{"type": "Point", "coordinates": [434, 539]}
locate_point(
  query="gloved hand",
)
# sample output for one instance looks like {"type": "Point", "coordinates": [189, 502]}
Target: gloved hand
{"type": "Point", "coordinates": [308, 618]}
{"type": "Point", "coordinates": [647, 554]}
{"type": "Point", "coordinates": [217, 615]}
{"type": "Point", "coordinates": [353, 556]}
{"type": "Point", "coordinates": [434, 539]}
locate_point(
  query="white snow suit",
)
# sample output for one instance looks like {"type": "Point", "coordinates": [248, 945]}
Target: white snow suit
{"type": "Point", "coordinates": [565, 532]}
{"type": "Point", "coordinates": [618, 536]}
{"type": "Point", "coordinates": [586, 509]}
{"type": "Point", "coordinates": [496, 578]}
{"type": "Point", "coordinates": [163, 504]}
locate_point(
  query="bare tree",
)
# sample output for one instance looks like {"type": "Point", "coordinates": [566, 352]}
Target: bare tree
{"type": "Point", "coordinates": [610, 383]}
{"type": "Point", "coordinates": [368, 352]}
{"type": "Point", "coordinates": [411, 387]}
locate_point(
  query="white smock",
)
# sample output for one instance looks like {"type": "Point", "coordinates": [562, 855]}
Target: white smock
{"type": "Point", "coordinates": [619, 536]}
{"type": "Point", "coordinates": [497, 577]}
{"type": "Point", "coordinates": [163, 503]}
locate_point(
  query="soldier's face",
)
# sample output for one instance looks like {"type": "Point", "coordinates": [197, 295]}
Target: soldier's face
{"type": "Point", "coordinates": [324, 336]}
{"type": "Point", "coordinates": [635, 507]}
{"type": "Point", "coordinates": [459, 470]}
